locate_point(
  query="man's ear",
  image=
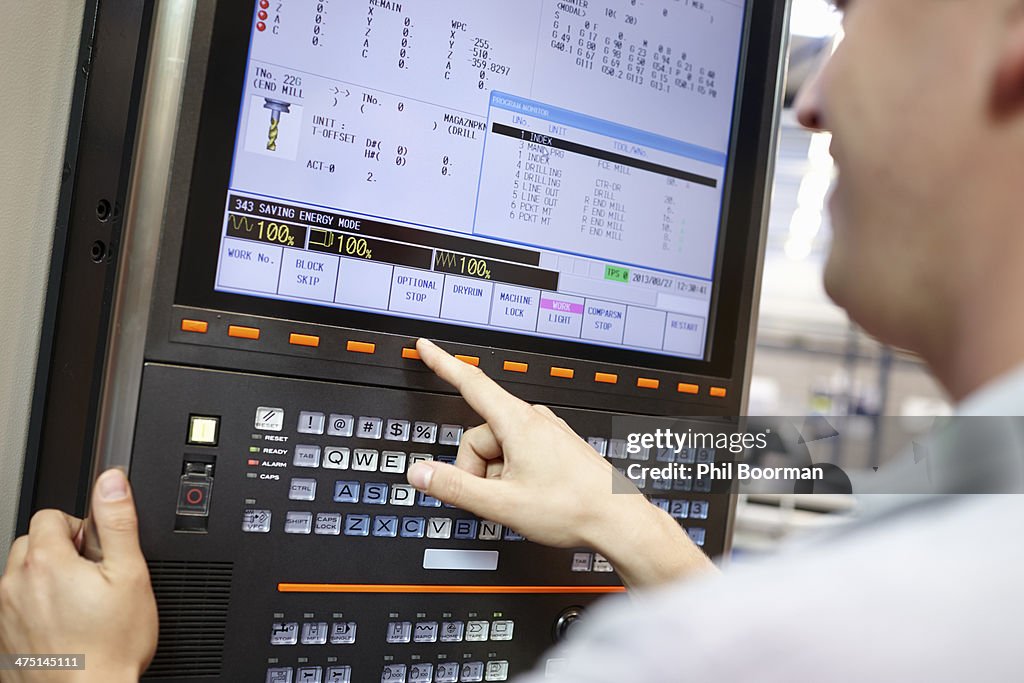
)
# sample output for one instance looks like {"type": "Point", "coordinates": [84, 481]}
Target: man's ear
{"type": "Point", "coordinates": [1008, 87]}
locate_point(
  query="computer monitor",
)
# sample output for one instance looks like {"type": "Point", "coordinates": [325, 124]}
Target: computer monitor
{"type": "Point", "coordinates": [553, 177]}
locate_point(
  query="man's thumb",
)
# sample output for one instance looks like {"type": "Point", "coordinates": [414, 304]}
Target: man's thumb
{"type": "Point", "coordinates": [113, 512]}
{"type": "Point", "coordinates": [452, 485]}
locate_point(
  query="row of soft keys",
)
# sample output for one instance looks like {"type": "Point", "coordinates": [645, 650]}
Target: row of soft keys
{"type": "Point", "coordinates": [420, 672]}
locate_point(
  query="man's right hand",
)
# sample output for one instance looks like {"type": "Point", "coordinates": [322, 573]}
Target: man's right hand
{"type": "Point", "coordinates": [525, 468]}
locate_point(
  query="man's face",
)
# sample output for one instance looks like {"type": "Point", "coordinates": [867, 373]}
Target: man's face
{"type": "Point", "coordinates": [907, 96]}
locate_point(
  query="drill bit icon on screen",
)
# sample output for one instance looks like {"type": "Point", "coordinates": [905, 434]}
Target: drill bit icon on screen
{"type": "Point", "coordinates": [276, 107]}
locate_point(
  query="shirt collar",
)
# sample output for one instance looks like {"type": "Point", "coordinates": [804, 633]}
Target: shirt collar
{"type": "Point", "coordinates": [1003, 396]}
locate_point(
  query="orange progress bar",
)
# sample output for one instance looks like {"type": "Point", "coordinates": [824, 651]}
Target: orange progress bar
{"type": "Point", "coordinates": [414, 588]}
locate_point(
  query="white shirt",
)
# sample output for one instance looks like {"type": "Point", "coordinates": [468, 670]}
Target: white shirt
{"type": "Point", "coordinates": [927, 591]}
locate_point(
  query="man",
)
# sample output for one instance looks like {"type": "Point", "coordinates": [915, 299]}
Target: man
{"type": "Point", "coordinates": [926, 102]}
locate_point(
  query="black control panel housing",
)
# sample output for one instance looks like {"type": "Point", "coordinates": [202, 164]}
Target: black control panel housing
{"type": "Point", "coordinates": [245, 592]}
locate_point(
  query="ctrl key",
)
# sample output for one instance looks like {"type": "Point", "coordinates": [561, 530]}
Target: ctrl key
{"type": "Point", "coordinates": [256, 521]}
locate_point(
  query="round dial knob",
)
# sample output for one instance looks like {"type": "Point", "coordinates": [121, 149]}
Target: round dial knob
{"type": "Point", "coordinates": [566, 621]}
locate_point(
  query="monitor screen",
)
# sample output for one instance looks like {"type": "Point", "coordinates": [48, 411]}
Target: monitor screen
{"type": "Point", "coordinates": [544, 168]}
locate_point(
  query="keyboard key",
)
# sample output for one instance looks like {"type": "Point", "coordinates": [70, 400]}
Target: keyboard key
{"type": "Point", "coordinates": [336, 458]}
{"type": "Point", "coordinates": [385, 526]}
{"type": "Point", "coordinates": [369, 427]}
{"type": "Point", "coordinates": [302, 489]}
{"type": "Point", "coordinates": [392, 462]}
{"type": "Point", "coordinates": [421, 673]}
{"type": "Point", "coordinates": [393, 673]}
{"type": "Point", "coordinates": [497, 670]}
{"type": "Point", "coordinates": [402, 494]}
{"type": "Point", "coordinates": [424, 432]}
{"type": "Point", "coordinates": [328, 523]}
{"type": "Point", "coordinates": [683, 484]}
{"type": "Point", "coordinates": [425, 632]}
{"type": "Point", "coordinates": [476, 631]}
{"type": "Point", "coordinates": [309, 674]}
{"type": "Point", "coordinates": [340, 425]}
{"type": "Point", "coordinates": [297, 522]}
{"type": "Point", "coordinates": [343, 633]}
{"type": "Point", "coordinates": [311, 423]}
{"type": "Point", "coordinates": [699, 509]}
{"type": "Point", "coordinates": [581, 562]}
{"type": "Point", "coordinates": [256, 521]}
{"type": "Point", "coordinates": [284, 633]}
{"type": "Point", "coordinates": [452, 631]}
{"type": "Point", "coordinates": [598, 444]}
{"type": "Point", "coordinates": [472, 672]}
{"type": "Point", "coordinates": [489, 531]}
{"type": "Point", "coordinates": [450, 435]}
{"type": "Point", "coordinates": [399, 632]}
{"type": "Point", "coordinates": [439, 527]}
{"type": "Point", "coordinates": [642, 453]}
{"type": "Point", "coordinates": [617, 449]}
{"type": "Point", "coordinates": [307, 456]}
{"type": "Point", "coordinates": [427, 501]}
{"type": "Point", "coordinates": [679, 508]}
{"type": "Point", "coordinates": [419, 457]}
{"type": "Point", "coordinates": [696, 535]}
{"type": "Point", "coordinates": [279, 674]}
{"type": "Point", "coordinates": [375, 493]}
{"type": "Point", "coordinates": [269, 420]}
{"type": "Point", "coordinates": [314, 633]}
{"type": "Point", "coordinates": [397, 430]}
{"type": "Point", "coordinates": [448, 672]}
{"type": "Point", "coordinates": [339, 674]}
{"type": "Point", "coordinates": [413, 527]}
{"type": "Point", "coordinates": [502, 629]}
{"type": "Point", "coordinates": [346, 492]}
{"type": "Point", "coordinates": [365, 460]}
{"type": "Point", "coordinates": [464, 529]}
{"type": "Point", "coordinates": [357, 525]}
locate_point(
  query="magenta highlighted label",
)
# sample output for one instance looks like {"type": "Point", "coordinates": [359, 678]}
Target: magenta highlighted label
{"type": "Point", "coordinates": [563, 306]}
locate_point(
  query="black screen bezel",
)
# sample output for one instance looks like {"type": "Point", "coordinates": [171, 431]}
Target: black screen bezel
{"type": "Point", "coordinates": [222, 99]}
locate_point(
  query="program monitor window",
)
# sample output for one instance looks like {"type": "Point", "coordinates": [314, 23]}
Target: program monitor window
{"type": "Point", "coordinates": [548, 168]}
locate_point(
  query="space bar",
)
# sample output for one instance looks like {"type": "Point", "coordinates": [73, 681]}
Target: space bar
{"type": "Point", "coordinates": [446, 558]}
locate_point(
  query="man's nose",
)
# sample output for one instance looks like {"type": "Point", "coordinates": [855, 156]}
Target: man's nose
{"type": "Point", "coordinates": [809, 105]}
